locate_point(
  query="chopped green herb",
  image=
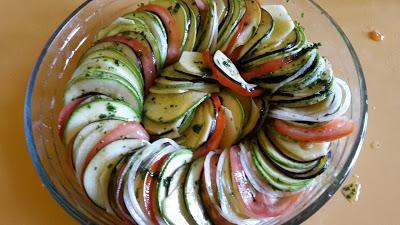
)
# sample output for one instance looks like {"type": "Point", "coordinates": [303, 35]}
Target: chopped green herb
{"type": "Point", "coordinates": [102, 116]}
{"type": "Point", "coordinates": [176, 8]}
{"type": "Point", "coordinates": [197, 128]}
{"type": "Point", "coordinates": [226, 63]}
{"type": "Point", "coordinates": [111, 108]}
{"type": "Point", "coordinates": [167, 181]}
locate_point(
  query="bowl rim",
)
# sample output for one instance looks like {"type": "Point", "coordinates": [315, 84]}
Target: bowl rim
{"type": "Point", "coordinates": [299, 218]}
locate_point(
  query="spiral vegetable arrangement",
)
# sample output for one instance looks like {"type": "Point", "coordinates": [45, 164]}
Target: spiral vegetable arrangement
{"type": "Point", "coordinates": [239, 106]}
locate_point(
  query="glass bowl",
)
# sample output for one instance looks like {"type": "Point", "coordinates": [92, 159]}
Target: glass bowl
{"type": "Point", "coordinates": [60, 56]}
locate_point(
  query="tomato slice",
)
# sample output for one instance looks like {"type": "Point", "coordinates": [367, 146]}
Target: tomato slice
{"type": "Point", "coordinates": [234, 56]}
{"type": "Point", "coordinates": [227, 82]}
{"type": "Point", "coordinates": [203, 9]}
{"type": "Point", "coordinates": [212, 211]}
{"type": "Point", "coordinates": [65, 113]}
{"type": "Point", "coordinates": [258, 205]}
{"type": "Point", "coordinates": [202, 5]}
{"type": "Point", "coordinates": [213, 171]}
{"type": "Point", "coordinates": [331, 131]}
{"type": "Point", "coordinates": [235, 36]}
{"type": "Point", "coordinates": [268, 67]}
{"type": "Point", "coordinates": [215, 139]}
{"type": "Point", "coordinates": [128, 130]}
{"type": "Point", "coordinates": [146, 56]}
{"type": "Point", "coordinates": [213, 142]}
{"type": "Point", "coordinates": [175, 37]}
{"type": "Point", "coordinates": [150, 190]}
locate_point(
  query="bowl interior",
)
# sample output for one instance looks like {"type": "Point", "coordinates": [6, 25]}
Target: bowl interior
{"type": "Point", "coordinates": [61, 54]}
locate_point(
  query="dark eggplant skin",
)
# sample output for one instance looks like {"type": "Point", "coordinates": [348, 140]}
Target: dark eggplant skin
{"type": "Point", "coordinates": [321, 167]}
{"type": "Point", "coordinates": [318, 169]}
{"type": "Point", "coordinates": [270, 26]}
{"type": "Point", "coordinates": [194, 80]}
{"type": "Point", "coordinates": [285, 48]}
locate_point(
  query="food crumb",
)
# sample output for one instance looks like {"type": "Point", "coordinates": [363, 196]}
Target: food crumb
{"type": "Point", "coordinates": [352, 192]}
{"type": "Point", "coordinates": [376, 36]}
{"type": "Point", "coordinates": [375, 145]}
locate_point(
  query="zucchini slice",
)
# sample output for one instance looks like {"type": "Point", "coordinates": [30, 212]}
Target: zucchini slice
{"type": "Point", "coordinates": [274, 177]}
{"type": "Point", "coordinates": [87, 138]}
{"type": "Point", "coordinates": [283, 22]}
{"type": "Point", "coordinates": [113, 66]}
{"type": "Point", "coordinates": [296, 151]}
{"type": "Point", "coordinates": [234, 115]}
{"type": "Point", "coordinates": [275, 155]}
{"type": "Point", "coordinates": [236, 11]}
{"type": "Point", "coordinates": [192, 193]}
{"type": "Point", "coordinates": [193, 13]}
{"type": "Point", "coordinates": [209, 29]}
{"type": "Point", "coordinates": [192, 63]}
{"type": "Point", "coordinates": [97, 174]}
{"type": "Point", "coordinates": [97, 110]}
{"type": "Point", "coordinates": [179, 126]}
{"type": "Point", "coordinates": [171, 165]}
{"type": "Point", "coordinates": [173, 208]}
{"type": "Point", "coordinates": [201, 127]}
{"type": "Point", "coordinates": [103, 83]}
{"type": "Point", "coordinates": [136, 26]}
{"type": "Point", "coordinates": [264, 30]}
{"type": "Point", "coordinates": [253, 116]}
{"type": "Point", "coordinates": [120, 52]}
{"type": "Point", "coordinates": [182, 18]}
{"type": "Point", "coordinates": [170, 107]}
{"type": "Point", "coordinates": [156, 27]}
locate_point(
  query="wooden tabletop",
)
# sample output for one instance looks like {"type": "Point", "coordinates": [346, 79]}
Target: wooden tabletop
{"type": "Point", "coordinates": [25, 26]}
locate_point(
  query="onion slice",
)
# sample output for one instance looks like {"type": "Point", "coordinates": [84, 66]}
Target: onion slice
{"type": "Point", "coordinates": [162, 146]}
{"type": "Point", "coordinates": [339, 106]}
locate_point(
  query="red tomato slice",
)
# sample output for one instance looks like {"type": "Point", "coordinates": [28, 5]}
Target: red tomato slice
{"type": "Point", "coordinates": [128, 130]}
{"type": "Point", "coordinates": [265, 68]}
{"type": "Point", "coordinates": [213, 171]}
{"type": "Point", "coordinates": [213, 142]}
{"type": "Point", "coordinates": [215, 139]}
{"type": "Point", "coordinates": [212, 211]}
{"type": "Point", "coordinates": [227, 82]}
{"type": "Point", "coordinates": [234, 56]}
{"type": "Point", "coordinates": [122, 211]}
{"type": "Point", "coordinates": [175, 37]}
{"type": "Point", "coordinates": [331, 131]}
{"type": "Point", "coordinates": [65, 113]}
{"type": "Point", "coordinates": [258, 205]}
{"type": "Point", "coordinates": [150, 190]}
{"type": "Point", "coordinates": [146, 56]}
{"type": "Point", "coordinates": [203, 6]}
{"type": "Point", "coordinates": [235, 36]}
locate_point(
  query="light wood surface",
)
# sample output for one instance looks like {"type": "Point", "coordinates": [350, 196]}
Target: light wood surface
{"type": "Point", "coordinates": [25, 26]}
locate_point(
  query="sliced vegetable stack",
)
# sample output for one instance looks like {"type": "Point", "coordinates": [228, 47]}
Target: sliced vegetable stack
{"type": "Point", "coordinates": [202, 112]}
